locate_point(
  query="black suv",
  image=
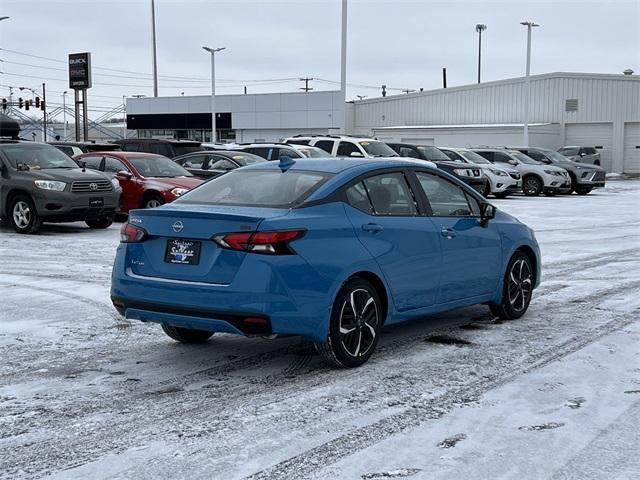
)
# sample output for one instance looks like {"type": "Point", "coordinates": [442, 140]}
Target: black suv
{"type": "Point", "coordinates": [39, 183]}
{"type": "Point", "coordinates": [167, 148]}
{"type": "Point", "coordinates": [76, 148]}
{"type": "Point", "coordinates": [468, 174]}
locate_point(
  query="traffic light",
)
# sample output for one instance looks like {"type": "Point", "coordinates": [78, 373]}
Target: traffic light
{"type": "Point", "coordinates": [26, 104]}
{"type": "Point", "coordinates": [42, 106]}
{"type": "Point", "coordinates": [4, 104]}
{"type": "Point", "coordinates": [37, 102]}
{"type": "Point", "coordinates": [20, 102]}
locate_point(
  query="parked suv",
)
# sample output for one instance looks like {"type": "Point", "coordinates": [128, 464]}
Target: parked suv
{"type": "Point", "coordinates": [470, 175]}
{"type": "Point", "coordinates": [581, 154]}
{"type": "Point", "coordinates": [345, 145]}
{"type": "Point", "coordinates": [584, 177]}
{"type": "Point", "coordinates": [268, 151]}
{"type": "Point", "coordinates": [537, 178]}
{"type": "Point", "coordinates": [147, 180]}
{"type": "Point", "coordinates": [39, 183]}
{"type": "Point", "coordinates": [77, 148]}
{"type": "Point", "coordinates": [166, 148]}
{"type": "Point", "coordinates": [503, 179]}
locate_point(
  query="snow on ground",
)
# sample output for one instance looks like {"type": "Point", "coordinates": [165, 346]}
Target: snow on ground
{"type": "Point", "coordinates": [85, 393]}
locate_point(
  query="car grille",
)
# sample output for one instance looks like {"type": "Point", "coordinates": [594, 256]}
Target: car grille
{"type": "Point", "coordinates": [515, 175]}
{"type": "Point", "coordinates": [91, 186]}
{"type": "Point", "coordinates": [598, 177]}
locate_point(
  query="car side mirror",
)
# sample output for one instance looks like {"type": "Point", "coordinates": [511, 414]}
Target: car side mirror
{"type": "Point", "coordinates": [487, 212]}
{"type": "Point", "coordinates": [124, 175]}
{"type": "Point", "coordinates": [356, 154]}
{"type": "Point", "coordinates": [513, 162]}
{"type": "Point", "coordinates": [582, 154]}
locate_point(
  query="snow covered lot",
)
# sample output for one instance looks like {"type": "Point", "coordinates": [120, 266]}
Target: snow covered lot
{"type": "Point", "coordinates": [87, 394]}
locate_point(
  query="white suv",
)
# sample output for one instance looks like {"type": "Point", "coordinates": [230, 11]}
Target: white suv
{"type": "Point", "coordinates": [345, 145]}
{"type": "Point", "coordinates": [503, 179]}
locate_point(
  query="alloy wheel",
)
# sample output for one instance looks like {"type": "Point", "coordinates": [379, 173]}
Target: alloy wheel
{"type": "Point", "coordinates": [358, 322]}
{"type": "Point", "coordinates": [153, 203]}
{"type": "Point", "coordinates": [520, 285]}
{"type": "Point", "coordinates": [531, 186]}
{"type": "Point", "coordinates": [21, 214]}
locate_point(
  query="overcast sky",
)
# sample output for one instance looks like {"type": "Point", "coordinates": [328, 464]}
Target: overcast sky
{"type": "Point", "coordinates": [401, 43]}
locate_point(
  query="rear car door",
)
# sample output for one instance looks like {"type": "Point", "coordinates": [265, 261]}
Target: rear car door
{"type": "Point", "coordinates": [129, 184]}
{"type": "Point", "coordinates": [404, 243]}
{"type": "Point", "coordinates": [326, 145]}
{"type": "Point", "coordinates": [471, 252]}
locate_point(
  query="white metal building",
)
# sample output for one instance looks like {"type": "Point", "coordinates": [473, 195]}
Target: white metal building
{"type": "Point", "coordinates": [598, 110]}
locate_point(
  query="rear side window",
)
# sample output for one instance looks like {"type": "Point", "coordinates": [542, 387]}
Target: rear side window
{"type": "Point", "coordinates": [264, 152]}
{"type": "Point", "coordinates": [487, 155]}
{"type": "Point", "coordinates": [193, 161]}
{"type": "Point", "coordinates": [408, 152]}
{"type": "Point", "coordinates": [387, 194]}
{"type": "Point", "coordinates": [445, 198]}
{"type": "Point", "coordinates": [259, 188]}
{"type": "Point", "coordinates": [590, 150]}
{"type": "Point", "coordinates": [326, 145]}
{"type": "Point", "coordinates": [501, 157]}
{"type": "Point", "coordinates": [298, 142]}
{"type": "Point", "coordinates": [453, 156]}
{"type": "Point", "coordinates": [288, 152]}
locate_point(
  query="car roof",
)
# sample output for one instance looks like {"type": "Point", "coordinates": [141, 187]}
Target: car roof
{"type": "Point", "coordinates": [119, 153]}
{"type": "Point", "coordinates": [337, 165]}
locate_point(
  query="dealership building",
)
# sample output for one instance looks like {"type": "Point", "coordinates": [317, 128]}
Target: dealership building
{"type": "Point", "coordinates": [598, 110]}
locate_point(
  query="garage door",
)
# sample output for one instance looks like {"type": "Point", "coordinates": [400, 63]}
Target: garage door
{"type": "Point", "coordinates": [631, 148]}
{"type": "Point", "coordinates": [599, 135]}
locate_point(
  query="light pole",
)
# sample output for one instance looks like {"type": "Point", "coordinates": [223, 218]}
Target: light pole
{"type": "Point", "coordinates": [480, 28]}
{"type": "Point", "coordinates": [527, 82]}
{"type": "Point", "coordinates": [213, 51]}
{"type": "Point", "coordinates": [64, 115]}
{"type": "Point", "coordinates": [343, 65]}
{"type": "Point", "coordinates": [155, 55]}
{"type": "Point", "coordinates": [124, 116]}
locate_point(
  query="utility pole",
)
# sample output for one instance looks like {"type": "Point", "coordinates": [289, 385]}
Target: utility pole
{"type": "Point", "coordinates": [527, 83]}
{"type": "Point", "coordinates": [64, 116]}
{"type": "Point", "coordinates": [44, 110]}
{"type": "Point", "coordinates": [480, 28]}
{"type": "Point", "coordinates": [343, 65]}
{"type": "Point", "coordinates": [213, 51]}
{"type": "Point", "coordinates": [444, 77]}
{"type": "Point", "coordinates": [124, 116]}
{"type": "Point", "coordinates": [306, 81]}
{"type": "Point", "coordinates": [155, 55]}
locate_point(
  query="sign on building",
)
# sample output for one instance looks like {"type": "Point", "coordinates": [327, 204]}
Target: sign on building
{"type": "Point", "coordinates": [80, 70]}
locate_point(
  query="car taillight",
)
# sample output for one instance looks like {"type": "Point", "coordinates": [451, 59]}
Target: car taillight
{"type": "Point", "coordinates": [130, 233]}
{"type": "Point", "coordinates": [270, 243]}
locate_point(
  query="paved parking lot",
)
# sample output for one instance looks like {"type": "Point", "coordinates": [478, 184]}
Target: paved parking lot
{"type": "Point", "coordinates": [85, 393]}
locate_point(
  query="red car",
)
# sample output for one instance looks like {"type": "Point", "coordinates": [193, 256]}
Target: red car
{"type": "Point", "coordinates": [147, 180]}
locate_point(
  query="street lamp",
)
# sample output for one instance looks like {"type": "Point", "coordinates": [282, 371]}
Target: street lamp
{"type": "Point", "coordinates": [527, 82]}
{"type": "Point", "coordinates": [480, 28]}
{"type": "Point", "coordinates": [213, 51]}
{"type": "Point", "coordinates": [155, 54]}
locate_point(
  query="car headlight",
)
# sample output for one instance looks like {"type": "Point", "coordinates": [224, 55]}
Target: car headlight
{"type": "Point", "coordinates": [463, 172]}
{"type": "Point", "coordinates": [552, 172]}
{"type": "Point", "coordinates": [176, 192]}
{"type": "Point", "coordinates": [500, 173]}
{"type": "Point", "coordinates": [115, 183]}
{"type": "Point", "coordinates": [50, 185]}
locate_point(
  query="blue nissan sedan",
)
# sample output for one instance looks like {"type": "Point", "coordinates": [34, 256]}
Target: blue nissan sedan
{"type": "Point", "coordinates": [329, 249]}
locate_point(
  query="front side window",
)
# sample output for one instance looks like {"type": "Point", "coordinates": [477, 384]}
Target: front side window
{"type": "Point", "coordinates": [91, 162]}
{"type": "Point", "coordinates": [113, 165]}
{"type": "Point", "coordinates": [501, 157]}
{"type": "Point", "coordinates": [345, 149]}
{"type": "Point", "coordinates": [524, 158]}
{"type": "Point", "coordinates": [447, 199]}
{"type": "Point", "coordinates": [326, 145]}
{"type": "Point", "coordinates": [261, 188]}
{"type": "Point", "coordinates": [389, 194]}
{"type": "Point", "coordinates": [408, 152]}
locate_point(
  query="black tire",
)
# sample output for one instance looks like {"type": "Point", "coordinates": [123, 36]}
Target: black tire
{"type": "Point", "coordinates": [485, 191]}
{"type": "Point", "coordinates": [572, 188]}
{"type": "Point", "coordinates": [501, 194]}
{"type": "Point", "coordinates": [99, 223]}
{"type": "Point", "coordinates": [516, 291]}
{"type": "Point", "coordinates": [583, 191]}
{"type": "Point", "coordinates": [186, 335]}
{"type": "Point", "coordinates": [532, 186]}
{"type": "Point", "coordinates": [152, 201]}
{"type": "Point", "coordinates": [345, 349]}
{"type": "Point", "coordinates": [23, 215]}
{"type": "Point", "coordinates": [550, 194]}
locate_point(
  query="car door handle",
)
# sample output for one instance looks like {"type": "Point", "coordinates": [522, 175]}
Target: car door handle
{"type": "Point", "coordinates": [448, 233]}
{"type": "Point", "coordinates": [372, 227]}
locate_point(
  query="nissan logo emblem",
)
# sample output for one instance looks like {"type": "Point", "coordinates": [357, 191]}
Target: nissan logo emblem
{"type": "Point", "coordinates": [177, 226]}
{"type": "Point", "coordinates": [93, 186]}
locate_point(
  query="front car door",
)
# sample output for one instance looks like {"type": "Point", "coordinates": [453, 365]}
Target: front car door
{"type": "Point", "coordinates": [471, 252]}
{"type": "Point", "coordinates": [404, 242]}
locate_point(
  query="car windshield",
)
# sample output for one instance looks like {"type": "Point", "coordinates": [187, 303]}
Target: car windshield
{"type": "Point", "coordinates": [37, 156]}
{"type": "Point", "coordinates": [555, 157]}
{"type": "Point", "coordinates": [377, 149]}
{"type": "Point", "coordinates": [312, 152]}
{"type": "Point", "coordinates": [184, 149]}
{"type": "Point", "coordinates": [433, 154]}
{"type": "Point", "coordinates": [473, 157]}
{"type": "Point", "coordinates": [261, 188]}
{"type": "Point", "coordinates": [158, 166]}
{"type": "Point", "coordinates": [243, 159]}
{"type": "Point", "coordinates": [523, 158]}
{"type": "Point", "coordinates": [569, 151]}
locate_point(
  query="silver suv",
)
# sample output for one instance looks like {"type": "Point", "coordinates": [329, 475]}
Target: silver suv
{"type": "Point", "coordinates": [581, 154]}
{"type": "Point", "coordinates": [345, 145]}
{"type": "Point", "coordinates": [537, 178]}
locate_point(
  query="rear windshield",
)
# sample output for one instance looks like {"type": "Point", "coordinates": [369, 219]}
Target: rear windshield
{"type": "Point", "coordinates": [378, 149]}
{"type": "Point", "coordinates": [260, 188]}
{"type": "Point", "coordinates": [37, 156]}
{"type": "Point", "coordinates": [243, 158]}
{"type": "Point", "coordinates": [473, 157]}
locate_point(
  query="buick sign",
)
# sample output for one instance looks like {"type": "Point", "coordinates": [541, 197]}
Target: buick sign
{"type": "Point", "coordinates": [80, 70]}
